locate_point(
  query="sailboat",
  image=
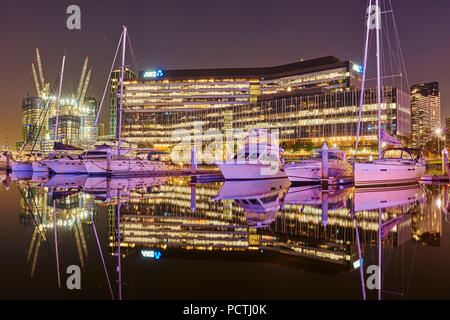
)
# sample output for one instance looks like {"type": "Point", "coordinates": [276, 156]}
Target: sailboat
{"type": "Point", "coordinates": [396, 165]}
{"type": "Point", "coordinates": [119, 163]}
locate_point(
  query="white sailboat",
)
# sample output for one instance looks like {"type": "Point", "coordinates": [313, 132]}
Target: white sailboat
{"type": "Point", "coordinates": [394, 166]}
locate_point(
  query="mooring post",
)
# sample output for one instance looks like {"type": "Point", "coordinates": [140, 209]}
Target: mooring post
{"type": "Point", "coordinates": [324, 208]}
{"type": "Point", "coordinates": [8, 164]}
{"type": "Point", "coordinates": [108, 162]}
{"type": "Point", "coordinates": [325, 165]}
{"type": "Point", "coordinates": [193, 164]}
{"type": "Point", "coordinates": [444, 161]}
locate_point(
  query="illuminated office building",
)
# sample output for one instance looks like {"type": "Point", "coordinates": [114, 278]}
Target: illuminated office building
{"type": "Point", "coordinates": [314, 100]}
{"type": "Point", "coordinates": [447, 131]}
{"type": "Point", "coordinates": [425, 112]}
{"type": "Point", "coordinates": [75, 121]}
{"type": "Point", "coordinates": [114, 88]}
{"type": "Point", "coordinates": [32, 112]}
{"type": "Point", "coordinates": [316, 115]}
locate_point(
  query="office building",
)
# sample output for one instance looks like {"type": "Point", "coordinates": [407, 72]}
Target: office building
{"type": "Point", "coordinates": [309, 101]}
{"type": "Point", "coordinates": [113, 98]}
{"type": "Point", "coordinates": [425, 112]}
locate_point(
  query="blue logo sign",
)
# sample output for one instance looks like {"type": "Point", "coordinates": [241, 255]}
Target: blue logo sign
{"type": "Point", "coordinates": [158, 73]}
{"type": "Point", "coordinates": [151, 254]}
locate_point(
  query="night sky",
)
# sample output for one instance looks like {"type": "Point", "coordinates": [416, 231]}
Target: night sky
{"type": "Point", "coordinates": [202, 34]}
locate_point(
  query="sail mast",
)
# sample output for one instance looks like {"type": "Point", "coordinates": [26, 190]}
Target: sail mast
{"type": "Point", "coordinates": [361, 98]}
{"type": "Point", "coordinates": [378, 27]}
{"type": "Point", "coordinates": [124, 41]}
{"type": "Point", "coordinates": [59, 96]}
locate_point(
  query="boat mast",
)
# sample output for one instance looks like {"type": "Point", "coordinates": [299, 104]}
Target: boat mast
{"type": "Point", "coordinates": [378, 27]}
{"type": "Point", "coordinates": [59, 96]}
{"type": "Point", "coordinates": [124, 41]}
{"type": "Point", "coordinates": [361, 98]}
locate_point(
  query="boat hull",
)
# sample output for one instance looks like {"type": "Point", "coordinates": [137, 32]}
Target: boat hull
{"type": "Point", "coordinates": [236, 171]}
{"type": "Point", "coordinates": [21, 166]}
{"type": "Point", "coordinates": [124, 167]}
{"type": "Point", "coordinates": [311, 171]}
{"type": "Point", "coordinates": [66, 166]}
{"type": "Point", "coordinates": [385, 173]}
{"type": "Point", "coordinates": [39, 166]}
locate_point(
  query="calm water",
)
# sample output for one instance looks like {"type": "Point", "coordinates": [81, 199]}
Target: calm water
{"type": "Point", "coordinates": [216, 240]}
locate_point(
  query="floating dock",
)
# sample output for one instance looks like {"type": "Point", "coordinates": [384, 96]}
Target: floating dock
{"type": "Point", "coordinates": [435, 178]}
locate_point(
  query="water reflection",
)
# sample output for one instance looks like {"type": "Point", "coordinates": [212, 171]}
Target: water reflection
{"type": "Point", "coordinates": [306, 228]}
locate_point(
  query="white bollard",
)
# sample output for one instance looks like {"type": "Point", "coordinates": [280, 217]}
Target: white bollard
{"type": "Point", "coordinates": [193, 164]}
{"type": "Point", "coordinates": [324, 161]}
{"type": "Point", "coordinates": [444, 161]}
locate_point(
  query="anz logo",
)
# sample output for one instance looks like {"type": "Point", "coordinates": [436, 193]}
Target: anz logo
{"type": "Point", "coordinates": [158, 73]}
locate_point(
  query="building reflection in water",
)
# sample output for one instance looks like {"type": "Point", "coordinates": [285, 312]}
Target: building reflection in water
{"type": "Point", "coordinates": [43, 210]}
{"type": "Point", "coordinates": [303, 227]}
{"type": "Point", "coordinates": [312, 225]}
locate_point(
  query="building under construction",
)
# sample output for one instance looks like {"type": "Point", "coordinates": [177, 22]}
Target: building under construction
{"type": "Point", "coordinates": [76, 116]}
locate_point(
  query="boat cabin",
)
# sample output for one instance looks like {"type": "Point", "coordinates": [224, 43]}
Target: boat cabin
{"type": "Point", "coordinates": [403, 154]}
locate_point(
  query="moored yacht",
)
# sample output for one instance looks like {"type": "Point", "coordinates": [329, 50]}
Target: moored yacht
{"type": "Point", "coordinates": [25, 162]}
{"type": "Point", "coordinates": [397, 165]}
{"type": "Point", "coordinates": [76, 164]}
{"type": "Point", "coordinates": [258, 159]}
{"type": "Point", "coordinates": [310, 170]}
{"type": "Point", "coordinates": [124, 166]}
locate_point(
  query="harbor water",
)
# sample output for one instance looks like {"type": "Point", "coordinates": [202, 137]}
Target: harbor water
{"type": "Point", "coordinates": [181, 238]}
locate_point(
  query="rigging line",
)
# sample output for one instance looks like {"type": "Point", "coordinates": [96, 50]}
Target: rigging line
{"type": "Point", "coordinates": [411, 270]}
{"type": "Point", "coordinates": [47, 103]}
{"type": "Point", "coordinates": [106, 88]}
{"type": "Point", "coordinates": [46, 109]}
{"type": "Point", "coordinates": [43, 235]}
{"type": "Point", "coordinates": [399, 45]}
{"type": "Point", "coordinates": [391, 51]}
{"type": "Point", "coordinates": [133, 56]}
{"type": "Point", "coordinates": [361, 99]}
{"type": "Point", "coordinates": [100, 249]}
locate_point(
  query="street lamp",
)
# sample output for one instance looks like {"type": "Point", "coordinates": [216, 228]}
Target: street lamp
{"type": "Point", "coordinates": [438, 132]}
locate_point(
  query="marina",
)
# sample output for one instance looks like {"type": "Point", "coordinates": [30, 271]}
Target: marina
{"type": "Point", "coordinates": [225, 160]}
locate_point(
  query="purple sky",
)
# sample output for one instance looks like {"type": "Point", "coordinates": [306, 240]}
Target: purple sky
{"type": "Point", "coordinates": [202, 34]}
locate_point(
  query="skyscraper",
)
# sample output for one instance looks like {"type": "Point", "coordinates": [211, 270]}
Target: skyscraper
{"type": "Point", "coordinates": [113, 86]}
{"type": "Point", "coordinates": [447, 131]}
{"type": "Point", "coordinates": [425, 112]}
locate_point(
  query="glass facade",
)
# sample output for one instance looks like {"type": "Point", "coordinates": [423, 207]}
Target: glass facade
{"type": "Point", "coordinates": [426, 112]}
{"type": "Point", "coordinates": [75, 122]}
{"type": "Point", "coordinates": [319, 117]}
{"type": "Point", "coordinates": [113, 87]}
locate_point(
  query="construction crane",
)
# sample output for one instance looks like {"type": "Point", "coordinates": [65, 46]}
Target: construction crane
{"type": "Point", "coordinates": [36, 81]}
{"type": "Point", "coordinates": [83, 73]}
{"type": "Point", "coordinates": [86, 84]}
{"type": "Point", "coordinates": [41, 73]}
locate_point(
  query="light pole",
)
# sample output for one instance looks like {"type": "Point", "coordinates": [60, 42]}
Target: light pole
{"type": "Point", "coordinates": [438, 132]}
